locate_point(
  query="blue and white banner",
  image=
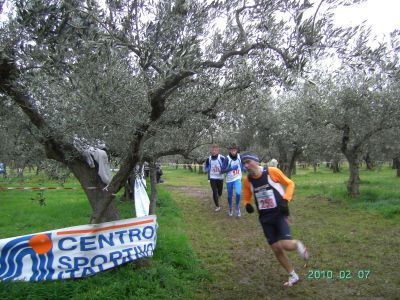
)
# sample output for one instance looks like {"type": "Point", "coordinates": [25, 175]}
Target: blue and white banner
{"type": "Point", "coordinates": [77, 251]}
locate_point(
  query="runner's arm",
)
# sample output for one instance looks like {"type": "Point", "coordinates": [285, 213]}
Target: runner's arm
{"type": "Point", "coordinates": [224, 168]}
{"type": "Point", "coordinates": [206, 167]}
{"type": "Point", "coordinates": [246, 191]}
{"type": "Point", "coordinates": [242, 167]}
{"type": "Point", "coordinates": [278, 176]}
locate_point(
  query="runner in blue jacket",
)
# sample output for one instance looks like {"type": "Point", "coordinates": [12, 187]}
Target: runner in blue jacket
{"type": "Point", "coordinates": [233, 168]}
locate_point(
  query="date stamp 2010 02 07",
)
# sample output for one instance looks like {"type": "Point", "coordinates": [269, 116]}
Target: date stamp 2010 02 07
{"type": "Point", "coordinates": [315, 274]}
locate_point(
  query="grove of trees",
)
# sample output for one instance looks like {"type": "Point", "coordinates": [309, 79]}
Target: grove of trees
{"type": "Point", "coordinates": [158, 78]}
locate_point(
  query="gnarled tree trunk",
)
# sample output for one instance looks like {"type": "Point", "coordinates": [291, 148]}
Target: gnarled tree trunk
{"type": "Point", "coordinates": [94, 190]}
{"type": "Point", "coordinates": [353, 184]}
{"type": "Point", "coordinates": [396, 165]}
{"type": "Point", "coordinates": [287, 160]}
{"type": "Point", "coordinates": [335, 165]}
{"type": "Point", "coordinates": [58, 147]}
{"type": "Point", "coordinates": [369, 162]}
{"type": "Point", "coordinates": [352, 154]}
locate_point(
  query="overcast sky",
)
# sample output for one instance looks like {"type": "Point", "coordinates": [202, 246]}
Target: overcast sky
{"type": "Point", "coordinates": [382, 15]}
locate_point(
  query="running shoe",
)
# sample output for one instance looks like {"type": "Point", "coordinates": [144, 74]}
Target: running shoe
{"type": "Point", "coordinates": [230, 212]}
{"type": "Point", "coordinates": [302, 250]}
{"type": "Point", "coordinates": [293, 279]}
{"type": "Point", "coordinates": [218, 208]}
{"type": "Point", "coordinates": [239, 214]}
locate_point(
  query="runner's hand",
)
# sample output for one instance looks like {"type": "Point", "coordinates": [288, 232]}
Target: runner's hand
{"type": "Point", "coordinates": [284, 209]}
{"type": "Point", "coordinates": [249, 208]}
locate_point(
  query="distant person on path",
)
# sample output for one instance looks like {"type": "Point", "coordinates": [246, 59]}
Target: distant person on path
{"type": "Point", "coordinates": [159, 173]}
{"type": "Point", "coordinates": [3, 169]}
{"type": "Point", "coordinates": [233, 169]}
{"type": "Point", "coordinates": [213, 168]}
{"type": "Point", "coordinates": [272, 205]}
{"type": "Point", "coordinates": [273, 163]}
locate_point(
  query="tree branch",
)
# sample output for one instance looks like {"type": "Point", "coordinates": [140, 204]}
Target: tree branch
{"type": "Point", "coordinates": [207, 111]}
{"type": "Point", "coordinates": [221, 62]}
{"type": "Point", "coordinates": [53, 141]}
{"type": "Point", "coordinates": [158, 95]}
{"type": "Point", "coordinates": [242, 33]}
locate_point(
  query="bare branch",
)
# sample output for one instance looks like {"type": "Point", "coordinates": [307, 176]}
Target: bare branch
{"type": "Point", "coordinates": [158, 95]}
{"type": "Point", "coordinates": [242, 34]}
{"type": "Point", "coordinates": [209, 110]}
{"type": "Point", "coordinates": [221, 62]}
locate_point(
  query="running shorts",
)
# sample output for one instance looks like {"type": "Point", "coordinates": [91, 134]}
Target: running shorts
{"type": "Point", "coordinates": [275, 227]}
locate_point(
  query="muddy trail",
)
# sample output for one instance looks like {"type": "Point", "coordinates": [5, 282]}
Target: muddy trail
{"type": "Point", "coordinates": [235, 253]}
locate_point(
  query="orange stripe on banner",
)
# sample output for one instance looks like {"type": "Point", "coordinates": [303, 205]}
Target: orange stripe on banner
{"type": "Point", "coordinates": [104, 228]}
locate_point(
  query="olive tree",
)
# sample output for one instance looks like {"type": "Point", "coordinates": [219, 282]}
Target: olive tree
{"type": "Point", "coordinates": [356, 109]}
{"type": "Point", "coordinates": [113, 70]}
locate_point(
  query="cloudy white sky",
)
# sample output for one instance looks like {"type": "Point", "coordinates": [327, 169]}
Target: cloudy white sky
{"type": "Point", "coordinates": [382, 15]}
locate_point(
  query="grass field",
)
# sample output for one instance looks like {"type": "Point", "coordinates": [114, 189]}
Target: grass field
{"type": "Point", "coordinates": [355, 242]}
{"type": "Point", "coordinates": [205, 255]}
{"type": "Point", "coordinates": [174, 272]}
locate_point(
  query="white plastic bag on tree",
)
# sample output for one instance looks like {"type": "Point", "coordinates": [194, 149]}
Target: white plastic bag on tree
{"type": "Point", "coordinates": [142, 201]}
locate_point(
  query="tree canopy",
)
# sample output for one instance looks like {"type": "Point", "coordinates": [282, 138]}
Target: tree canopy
{"type": "Point", "coordinates": [157, 78]}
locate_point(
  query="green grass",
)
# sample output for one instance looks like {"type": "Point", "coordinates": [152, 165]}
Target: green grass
{"type": "Point", "coordinates": [180, 177]}
{"type": "Point", "coordinates": [341, 234]}
{"type": "Point", "coordinates": [203, 255]}
{"type": "Point", "coordinates": [21, 212]}
{"type": "Point", "coordinates": [380, 189]}
{"type": "Point", "coordinates": [174, 271]}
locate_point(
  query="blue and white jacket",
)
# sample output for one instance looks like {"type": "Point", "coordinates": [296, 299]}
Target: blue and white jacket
{"type": "Point", "coordinates": [233, 168]}
{"type": "Point", "coordinates": [213, 166]}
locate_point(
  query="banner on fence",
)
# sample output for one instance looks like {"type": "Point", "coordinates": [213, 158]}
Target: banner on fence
{"type": "Point", "coordinates": [77, 251]}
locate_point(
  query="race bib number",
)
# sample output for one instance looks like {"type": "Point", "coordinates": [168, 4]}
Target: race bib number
{"type": "Point", "coordinates": [236, 172]}
{"type": "Point", "coordinates": [215, 170]}
{"type": "Point", "coordinates": [266, 199]}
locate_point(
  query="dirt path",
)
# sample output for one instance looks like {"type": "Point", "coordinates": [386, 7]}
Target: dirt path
{"type": "Point", "coordinates": [235, 252]}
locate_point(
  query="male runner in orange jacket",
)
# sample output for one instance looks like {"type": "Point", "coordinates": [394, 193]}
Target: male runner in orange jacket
{"type": "Point", "coordinates": [272, 205]}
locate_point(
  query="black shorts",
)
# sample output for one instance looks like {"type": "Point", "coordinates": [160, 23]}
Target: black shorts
{"type": "Point", "coordinates": [276, 228]}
